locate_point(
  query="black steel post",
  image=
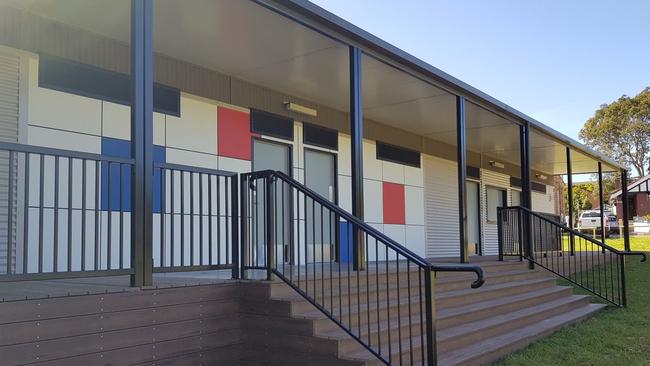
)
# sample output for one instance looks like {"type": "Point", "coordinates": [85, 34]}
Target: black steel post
{"type": "Point", "coordinates": [356, 132]}
{"type": "Point", "coordinates": [430, 311]}
{"type": "Point", "coordinates": [570, 199]}
{"type": "Point", "coordinates": [602, 203]}
{"type": "Point", "coordinates": [269, 238]}
{"type": "Point", "coordinates": [461, 144]}
{"type": "Point", "coordinates": [526, 237]}
{"type": "Point", "coordinates": [234, 222]}
{"type": "Point", "coordinates": [626, 219]}
{"type": "Point", "coordinates": [142, 142]}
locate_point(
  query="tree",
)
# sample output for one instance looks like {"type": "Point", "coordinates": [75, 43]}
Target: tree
{"type": "Point", "coordinates": [583, 194]}
{"type": "Point", "coordinates": [622, 130]}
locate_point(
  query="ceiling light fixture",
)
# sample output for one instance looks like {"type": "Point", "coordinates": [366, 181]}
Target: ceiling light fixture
{"type": "Point", "coordinates": [293, 107]}
{"type": "Point", "coordinates": [541, 176]}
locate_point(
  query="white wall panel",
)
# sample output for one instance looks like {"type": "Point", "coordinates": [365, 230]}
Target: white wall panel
{"type": "Point", "coordinates": [344, 155]}
{"type": "Point", "coordinates": [51, 108]}
{"type": "Point", "coordinates": [373, 210]}
{"type": "Point", "coordinates": [414, 205]}
{"type": "Point", "coordinates": [414, 239]}
{"type": "Point", "coordinates": [184, 157]}
{"type": "Point", "coordinates": [159, 126]}
{"type": "Point", "coordinates": [441, 207]}
{"type": "Point", "coordinates": [196, 128]}
{"type": "Point", "coordinates": [372, 168]}
{"type": "Point", "coordinates": [234, 165]}
{"type": "Point", "coordinates": [392, 172]}
{"type": "Point", "coordinates": [116, 120]}
{"type": "Point", "coordinates": [345, 192]}
{"type": "Point", "coordinates": [396, 232]}
{"type": "Point", "coordinates": [413, 176]}
{"type": "Point", "coordinates": [47, 137]}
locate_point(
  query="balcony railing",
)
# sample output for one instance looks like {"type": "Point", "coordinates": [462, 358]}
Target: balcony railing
{"type": "Point", "coordinates": [67, 214]}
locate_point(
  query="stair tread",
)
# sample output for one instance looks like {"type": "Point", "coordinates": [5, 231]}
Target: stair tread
{"type": "Point", "coordinates": [480, 347]}
{"type": "Point", "coordinates": [524, 334]}
{"type": "Point", "coordinates": [384, 323]}
{"type": "Point", "coordinates": [459, 330]}
{"type": "Point", "coordinates": [404, 284]}
{"type": "Point", "coordinates": [448, 294]}
{"type": "Point", "coordinates": [480, 305]}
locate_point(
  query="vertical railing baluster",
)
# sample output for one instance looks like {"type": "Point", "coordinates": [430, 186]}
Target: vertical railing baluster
{"type": "Point", "coordinates": [83, 213]}
{"type": "Point", "coordinates": [210, 239]}
{"type": "Point", "coordinates": [109, 219]}
{"type": "Point", "coordinates": [70, 203]}
{"type": "Point", "coordinates": [121, 207]}
{"type": "Point", "coordinates": [56, 215]}
{"type": "Point", "coordinates": [163, 200]}
{"type": "Point", "coordinates": [10, 214]}
{"type": "Point", "coordinates": [201, 219]}
{"type": "Point", "coordinates": [40, 213]}
{"type": "Point", "coordinates": [182, 215]}
{"type": "Point", "coordinates": [172, 221]}
{"type": "Point", "coordinates": [26, 216]}
{"type": "Point", "coordinates": [234, 222]}
{"type": "Point", "coordinates": [98, 195]}
{"type": "Point", "coordinates": [191, 218]}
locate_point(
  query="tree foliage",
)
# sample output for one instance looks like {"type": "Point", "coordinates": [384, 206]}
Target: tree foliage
{"type": "Point", "coordinates": [622, 130]}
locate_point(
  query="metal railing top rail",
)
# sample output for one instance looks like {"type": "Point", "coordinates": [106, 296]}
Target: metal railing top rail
{"type": "Point", "coordinates": [49, 151]}
{"type": "Point", "coordinates": [577, 233]}
{"type": "Point", "coordinates": [194, 169]}
{"type": "Point", "coordinates": [408, 254]}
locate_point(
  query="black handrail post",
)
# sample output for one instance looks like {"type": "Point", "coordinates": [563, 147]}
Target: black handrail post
{"type": "Point", "coordinates": [429, 283]}
{"type": "Point", "coordinates": [244, 190]}
{"type": "Point", "coordinates": [622, 275]}
{"type": "Point", "coordinates": [500, 232]}
{"type": "Point", "coordinates": [461, 156]}
{"type": "Point", "coordinates": [603, 231]}
{"type": "Point", "coordinates": [234, 221]}
{"type": "Point", "coordinates": [572, 244]}
{"type": "Point", "coordinates": [142, 142]}
{"type": "Point", "coordinates": [520, 224]}
{"type": "Point", "coordinates": [626, 219]}
{"type": "Point", "coordinates": [269, 238]}
{"type": "Point", "coordinates": [356, 132]}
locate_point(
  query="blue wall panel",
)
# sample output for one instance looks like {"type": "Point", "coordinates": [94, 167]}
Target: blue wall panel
{"type": "Point", "coordinates": [120, 181]}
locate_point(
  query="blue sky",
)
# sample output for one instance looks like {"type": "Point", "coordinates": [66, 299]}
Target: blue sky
{"type": "Point", "coordinates": [555, 60]}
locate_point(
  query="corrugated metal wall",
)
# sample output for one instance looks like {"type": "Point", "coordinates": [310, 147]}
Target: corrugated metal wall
{"type": "Point", "coordinates": [441, 207]}
{"type": "Point", "coordinates": [9, 92]}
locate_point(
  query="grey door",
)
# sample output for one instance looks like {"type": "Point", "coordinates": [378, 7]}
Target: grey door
{"type": "Point", "coordinates": [320, 176]}
{"type": "Point", "coordinates": [269, 155]}
{"type": "Point", "coordinates": [473, 218]}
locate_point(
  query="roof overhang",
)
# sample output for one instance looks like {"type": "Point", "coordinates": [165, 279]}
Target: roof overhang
{"type": "Point", "coordinates": [333, 26]}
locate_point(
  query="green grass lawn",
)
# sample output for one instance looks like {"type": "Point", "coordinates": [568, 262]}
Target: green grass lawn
{"type": "Point", "coordinates": [613, 337]}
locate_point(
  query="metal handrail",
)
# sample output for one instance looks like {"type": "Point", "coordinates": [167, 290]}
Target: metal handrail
{"type": "Point", "coordinates": [579, 234]}
{"type": "Point", "coordinates": [599, 269]}
{"type": "Point", "coordinates": [407, 259]}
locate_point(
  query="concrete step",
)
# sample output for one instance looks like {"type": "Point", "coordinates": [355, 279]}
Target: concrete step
{"type": "Point", "coordinates": [493, 348]}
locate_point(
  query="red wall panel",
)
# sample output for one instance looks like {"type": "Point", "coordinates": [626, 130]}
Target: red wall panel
{"type": "Point", "coordinates": [233, 134]}
{"type": "Point", "coordinates": [394, 206]}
